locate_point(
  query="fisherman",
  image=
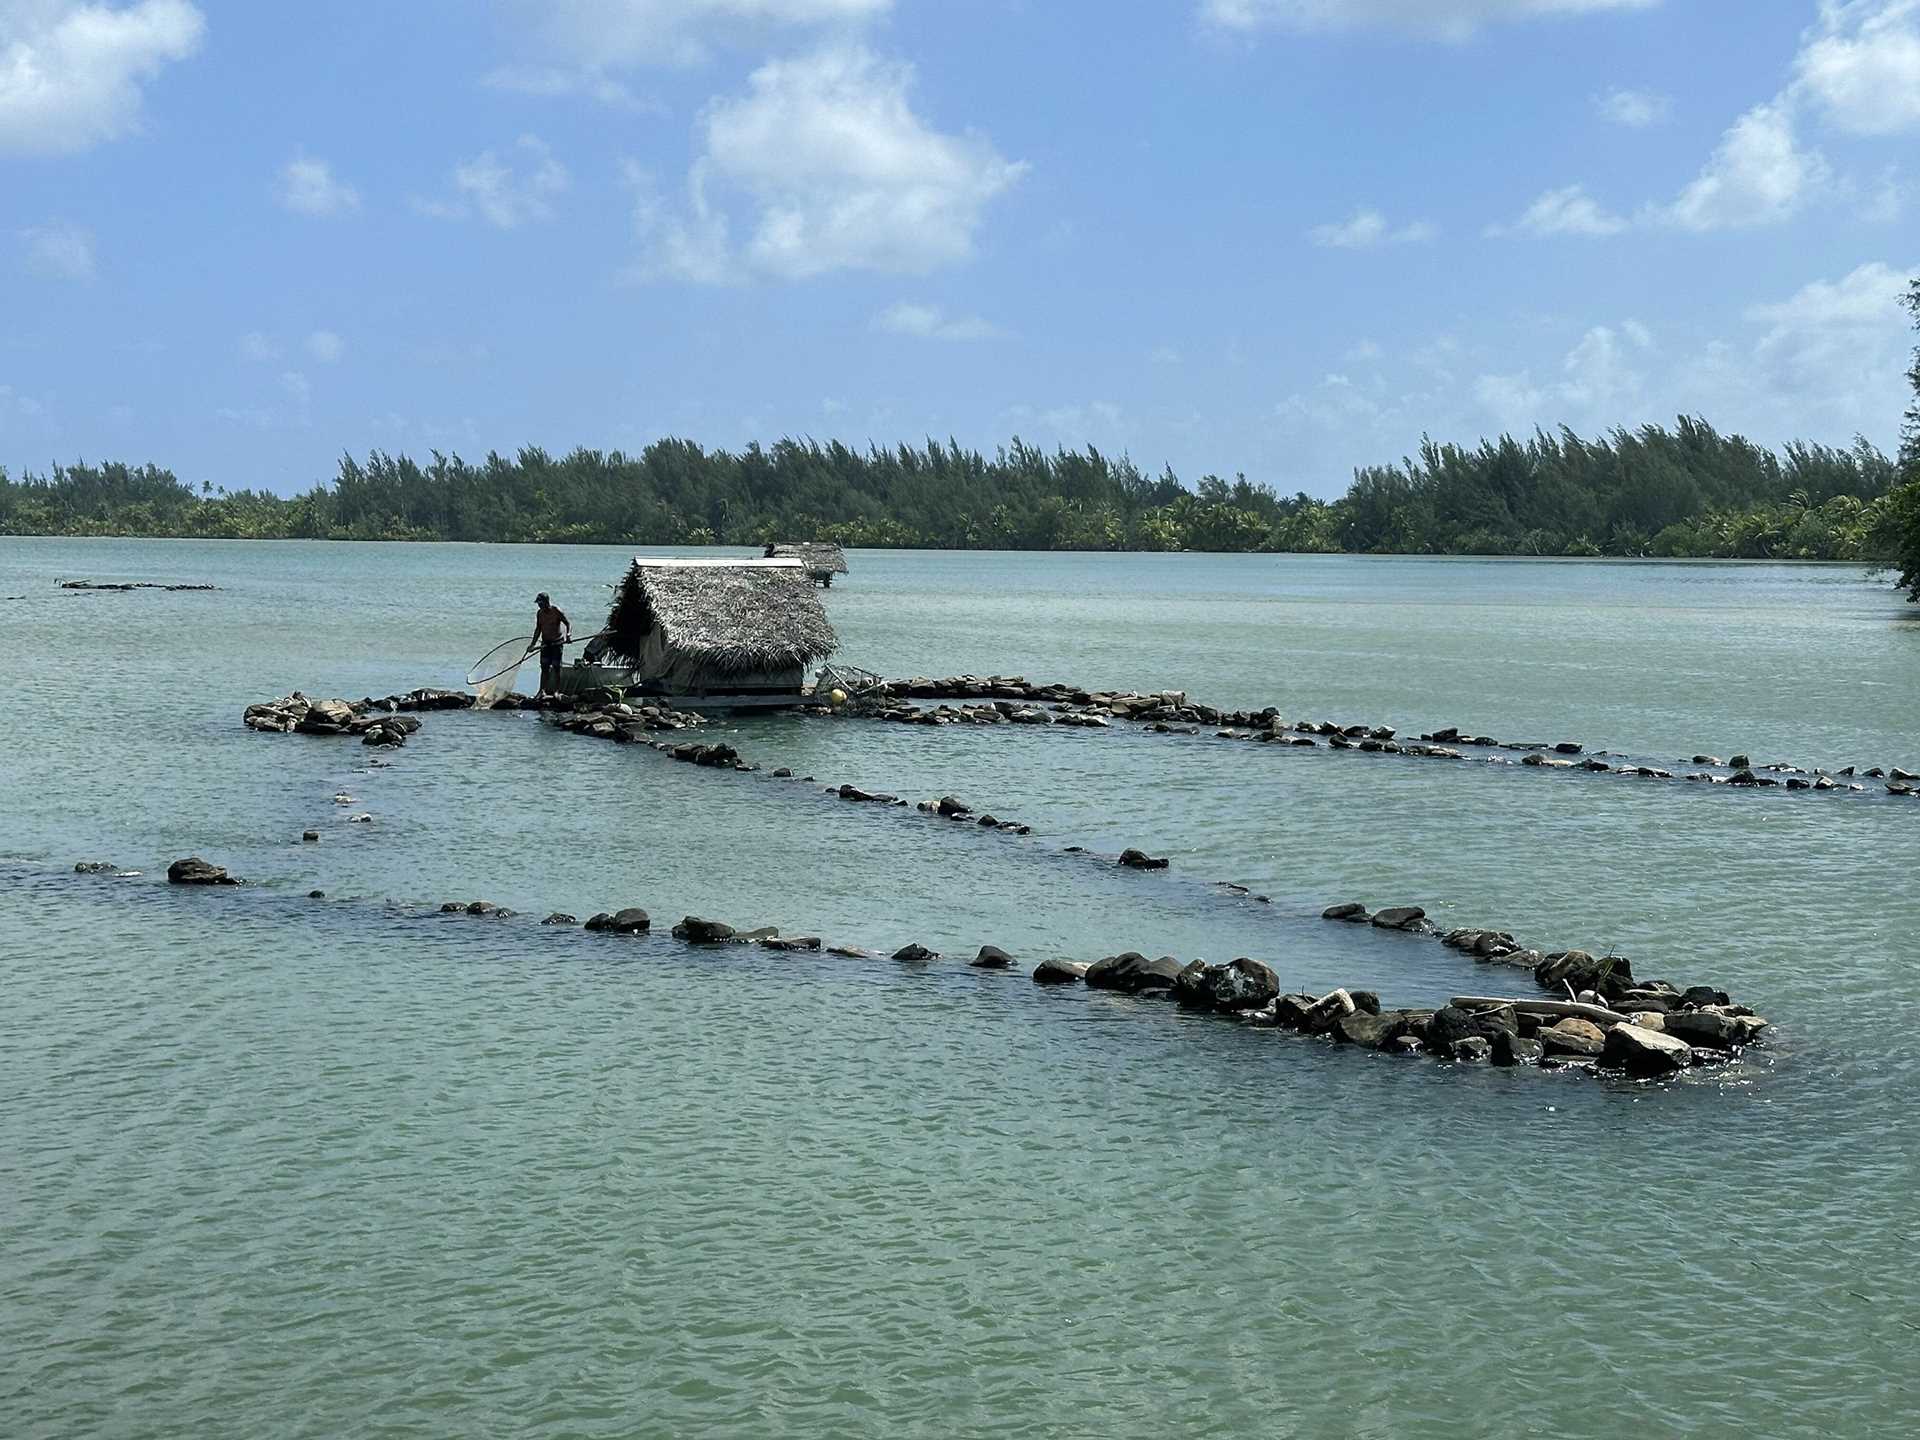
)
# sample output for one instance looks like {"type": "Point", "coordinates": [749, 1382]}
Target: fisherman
{"type": "Point", "coordinates": [551, 629]}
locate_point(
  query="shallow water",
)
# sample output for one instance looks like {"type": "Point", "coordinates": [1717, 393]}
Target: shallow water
{"type": "Point", "coordinates": [282, 1167]}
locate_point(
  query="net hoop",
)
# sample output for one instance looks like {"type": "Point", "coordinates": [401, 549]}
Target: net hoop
{"type": "Point", "coordinates": [499, 661]}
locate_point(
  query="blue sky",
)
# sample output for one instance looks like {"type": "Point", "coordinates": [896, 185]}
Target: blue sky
{"type": "Point", "coordinates": [1283, 237]}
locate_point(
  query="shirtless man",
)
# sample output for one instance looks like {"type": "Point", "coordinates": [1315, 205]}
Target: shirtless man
{"type": "Point", "coordinates": [550, 628]}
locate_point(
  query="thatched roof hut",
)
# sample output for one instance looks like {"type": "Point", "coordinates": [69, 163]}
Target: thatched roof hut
{"type": "Point", "coordinates": [823, 558]}
{"type": "Point", "coordinates": [697, 624]}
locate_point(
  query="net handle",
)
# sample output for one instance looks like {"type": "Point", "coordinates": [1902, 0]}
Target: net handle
{"type": "Point", "coordinates": [532, 644]}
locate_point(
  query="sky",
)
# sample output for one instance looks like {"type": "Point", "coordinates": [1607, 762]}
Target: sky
{"type": "Point", "coordinates": [1273, 237]}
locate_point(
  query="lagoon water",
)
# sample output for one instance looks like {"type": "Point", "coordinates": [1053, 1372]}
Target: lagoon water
{"type": "Point", "coordinates": [281, 1167]}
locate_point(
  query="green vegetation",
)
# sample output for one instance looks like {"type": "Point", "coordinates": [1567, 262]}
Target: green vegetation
{"type": "Point", "coordinates": [1903, 506]}
{"type": "Point", "coordinates": [1684, 491]}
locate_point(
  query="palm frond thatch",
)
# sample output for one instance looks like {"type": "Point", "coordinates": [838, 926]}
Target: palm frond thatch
{"type": "Point", "coordinates": [821, 557]}
{"type": "Point", "coordinates": [736, 619]}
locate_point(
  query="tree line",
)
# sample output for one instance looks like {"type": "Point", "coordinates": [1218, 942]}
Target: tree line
{"type": "Point", "coordinates": [1680, 491]}
{"type": "Point", "coordinates": [1685, 490]}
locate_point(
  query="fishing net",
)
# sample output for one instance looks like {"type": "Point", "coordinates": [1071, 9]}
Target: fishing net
{"type": "Point", "coordinates": [493, 674]}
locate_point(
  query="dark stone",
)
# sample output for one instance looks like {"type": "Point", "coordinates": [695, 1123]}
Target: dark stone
{"type": "Point", "coordinates": [1059, 972]}
{"type": "Point", "coordinates": [1379, 1031]}
{"type": "Point", "coordinates": [1140, 860]}
{"type": "Point", "coordinates": [791, 942]}
{"type": "Point", "coordinates": [992, 957]}
{"type": "Point", "coordinates": [1133, 973]}
{"type": "Point", "coordinates": [1569, 747]}
{"type": "Point", "coordinates": [557, 918]}
{"type": "Point", "coordinates": [1695, 996]}
{"type": "Point", "coordinates": [1241, 984]}
{"type": "Point", "coordinates": [1291, 1011]}
{"type": "Point", "coordinates": [1472, 1049]}
{"type": "Point", "coordinates": [95, 867]}
{"type": "Point", "coordinates": [1705, 1028]}
{"type": "Point", "coordinates": [1578, 970]}
{"type": "Point", "coordinates": [1365, 1000]}
{"type": "Point", "coordinates": [949, 806]}
{"type": "Point", "coordinates": [195, 871]}
{"type": "Point", "coordinates": [1399, 917]}
{"type": "Point", "coordinates": [1450, 1023]}
{"type": "Point", "coordinates": [309, 837]}
{"type": "Point", "coordinates": [1351, 910]}
{"type": "Point", "coordinates": [624, 922]}
{"type": "Point", "coordinates": [1512, 1049]}
{"type": "Point", "coordinates": [481, 907]}
{"type": "Point", "coordinates": [915, 954]}
{"type": "Point", "coordinates": [696, 931]}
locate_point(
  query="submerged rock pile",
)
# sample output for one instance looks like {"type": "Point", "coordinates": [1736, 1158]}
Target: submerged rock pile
{"type": "Point", "coordinates": [947, 807]}
{"type": "Point", "coordinates": [389, 721]}
{"type": "Point", "coordinates": [1469, 1029]}
{"type": "Point", "coordinates": [1617, 1023]}
{"type": "Point", "coordinates": [298, 714]}
{"type": "Point", "coordinates": [1000, 699]}
{"type": "Point", "coordinates": [1601, 996]}
{"type": "Point", "coordinates": [128, 585]}
{"type": "Point", "coordinates": [623, 723]}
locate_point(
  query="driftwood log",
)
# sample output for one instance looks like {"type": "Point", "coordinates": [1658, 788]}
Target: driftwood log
{"type": "Point", "coordinates": [1561, 1009]}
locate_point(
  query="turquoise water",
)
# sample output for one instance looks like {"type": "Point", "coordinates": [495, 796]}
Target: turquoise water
{"type": "Point", "coordinates": [274, 1166]}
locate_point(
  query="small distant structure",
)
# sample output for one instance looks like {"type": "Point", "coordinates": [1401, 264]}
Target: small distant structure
{"type": "Point", "coordinates": [823, 559]}
{"type": "Point", "coordinates": [709, 634]}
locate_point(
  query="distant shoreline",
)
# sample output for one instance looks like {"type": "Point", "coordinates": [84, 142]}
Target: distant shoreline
{"type": "Point", "coordinates": [633, 545]}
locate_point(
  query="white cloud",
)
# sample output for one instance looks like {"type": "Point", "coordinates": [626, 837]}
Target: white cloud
{"type": "Point", "coordinates": [1098, 422]}
{"type": "Point", "coordinates": [1336, 403]}
{"type": "Point", "coordinates": [1829, 361]}
{"type": "Point", "coordinates": [296, 386]}
{"type": "Point", "coordinates": [558, 82]}
{"type": "Point", "coordinates": [59, 249]}
{"type": "Point", "coordinates": [931, 322]}
{"type": "Point", "coordinates": [1760, 175]}
{"type": "Point", "coordinates": [71, 73]}
{"type": "Point", "coordinates": [258, 348]}
{"type": "Point", "coordinates": [599, 33]}
{"type": "Point", "coordinates": [505, 191]}
{"type": "Point", "coordinates": [1599, 384]}
{"type": "Point", "coordinates": [307, 187]}
{"type": "Point", "coordinates": [1566, 211]}
{"type": "Point", "coordinates": [1867, 297]}
{"type": "Point", "coordinates": [326, 347]}
{"type": "Point", "coordinates": [1635, 109]}
{"type": "Point", "coordinates": [1449, 19]}
{"type": "Point", "coordinates": [838, 172]}
{"type": "Point", "coordinates": [1863, 66]}
{"type": "Point", "coordinates": [1859, 67]}
{"type": "Point", "coordinates": [1369, 228]}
